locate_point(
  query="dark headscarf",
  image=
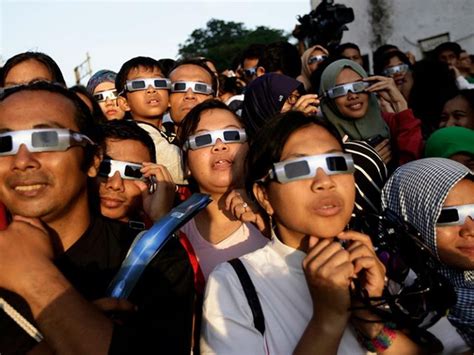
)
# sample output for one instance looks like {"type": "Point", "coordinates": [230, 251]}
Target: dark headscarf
{"type": "Point", "coordinates": [265, 97]}
{"type": "Point", "coordinates": [416, 192]}
{"type": "Point", "coordinates": [370, 125]}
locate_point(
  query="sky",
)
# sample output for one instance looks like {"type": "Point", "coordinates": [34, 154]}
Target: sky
{"type": "Point", "coordinates": [112, 32]}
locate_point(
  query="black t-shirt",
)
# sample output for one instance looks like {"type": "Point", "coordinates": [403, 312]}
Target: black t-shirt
{"type": "Point", "coordinates": [164, 294]}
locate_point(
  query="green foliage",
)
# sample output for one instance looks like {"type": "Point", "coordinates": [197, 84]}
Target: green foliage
{"type": "Point", "coordinates": [222, 41]}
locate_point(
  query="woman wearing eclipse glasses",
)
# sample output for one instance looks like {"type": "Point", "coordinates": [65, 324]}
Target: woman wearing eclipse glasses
{"type": "Point", "coordinates": [302, 178]}
{"type": "Point", "coordinates": [436, 195]}
{"type": "Point", "coordinates": [350, 101]}
{"type": "Point", "coordinates": [310, 61]}
{"type": "Point", "coordinates": [214, 144]}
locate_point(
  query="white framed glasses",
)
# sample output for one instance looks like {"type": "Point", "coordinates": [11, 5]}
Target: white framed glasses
{"type": "Point", "coordinates": [342, 90]}
{"type": "Point", "coordinates": [317, 59]}
{"type": "Point", "coordinates": [196, 87]}
{"type": "Point", "coordinates": [306, 167]}
{"type": "Point", "coordinates": [397, 69]}
{"type": "Point", "coordinates": [210, 138]}
{"type": "Point", "coordinates": [127, 170]}
{"type": "Point", "coordinates": [143, 84]}
{"type": "Point", "coordinates": [41, 140]}
{"type": "Point", "coordinates": [455, 215]}
{"type": "Point", "coordinates": [106, 94]}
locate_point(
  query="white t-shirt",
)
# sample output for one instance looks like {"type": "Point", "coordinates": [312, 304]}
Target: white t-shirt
{"type": "Point", "coordinates": [245, 239]}
{"type": "Point", "coordinates": [276, 271]}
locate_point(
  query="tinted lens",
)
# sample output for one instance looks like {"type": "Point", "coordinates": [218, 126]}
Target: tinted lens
{"type": "Point", "coordinates": [338, 91]}
{"type": "Point", "coordinates": [231, 136]}
{"type": "Point", "coordinates": [203, 140]}
{"type": "Point", "coordinates": [359, 86]}
{"type": "Point", "coordinates": [138, 84]}
{"type": "Point", "coordinates": [180, 86]}
{"type": "Point", "coordinates": [104, 168]}
{"type": "Point", "coordinates": [44, 139]}
{"type": "Point", "coordinates": [448, 216]}
{"type": "Point", "coordinates": [6, 144]}
{"type": "Point", "coordinates": [296, 169]}
{"type": "Point", "coordinates": [133, 172]}
{"type": "Point", "coordinates": [160, 83]}
{"type": "Point", "coordinates": [336, 164]}
{"type": "Point", "coordinates": [200, 88]}
{"type": "Point", "coordinates": [99, 97]}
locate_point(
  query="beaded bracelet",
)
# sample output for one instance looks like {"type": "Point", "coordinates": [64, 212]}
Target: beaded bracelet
{"type": "Point", "coordinates": [382, 341]}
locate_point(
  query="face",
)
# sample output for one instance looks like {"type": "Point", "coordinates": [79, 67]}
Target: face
{"type": "Point", "coordinates": [465, 159]}
{"type": "Point", "coordinates": [456, 243]}
{"type": "Point", "coordinates": [110, 108]}
{"type": "Point", "coordinates": [354, 55]}
{"type": "Point", "coordinates": [290, 101]}
{"type": "Point", "coordinates": [120, 198]}
{"type": "Point", "coordinates": [464, 61]}
{"type": "Point", "coordinates": [221, 166]}
{"type": "Point", "coordinates": [404, 81]}
{"type": "Point", "coordinates": [320, 206]}
{"type": "Point", "coordinates": [26, 72]}
{"type": "Point", "coordinates": [250, 63]}
{"type": "Point", "coordinates": [150, 104]}
{"type": "Point", "coordinates": [352, 105]}
{"type": "Point", "coordinates": [312, 67]}
{"type": "Point", "coordinates": [182, 102]}
{"type": "Point", "coordinates": [457, 112]}
{"type": "Point", "coordinates": [448, 57]}
{"type": "Point", "coordinates": [46, 185]}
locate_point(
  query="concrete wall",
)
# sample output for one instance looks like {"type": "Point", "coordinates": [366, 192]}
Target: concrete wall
{"type": "Point", "coordinates": [411, 21]}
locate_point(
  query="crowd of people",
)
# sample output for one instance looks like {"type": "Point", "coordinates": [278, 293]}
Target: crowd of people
{"type": "Point", "coordinates": [311, 161]}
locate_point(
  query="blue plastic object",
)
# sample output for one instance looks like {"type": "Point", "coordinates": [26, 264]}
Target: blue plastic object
{"type": "Point", "coordinates": [148, 243]}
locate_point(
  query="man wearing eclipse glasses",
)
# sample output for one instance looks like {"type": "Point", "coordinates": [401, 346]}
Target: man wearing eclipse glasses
{"type": "Point", "coordinates": [192, 82]}
{"type": "Point", "coordinates": [57, 257]}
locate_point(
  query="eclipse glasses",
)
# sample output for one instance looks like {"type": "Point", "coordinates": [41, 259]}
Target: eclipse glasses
{"type": "Point", "coordinates": [41, 140]}
{"type": "Point", "coordinates": [306, 167]}
{"type": "Point", "coordinates": [143, 84]}
{"type": "Point", "coordinates": [210, 138]}
{"type": "Point", "coordinates": [196, 87]}
{"type": "Point", "coordinates": [342, 90]}
{"type": "Point", "coordinates": [397, 69]}
{"type": "Point", "coordinates": [106, 94]}
{"type": "Point", "coordinates": [317, 59]}
{"type": "Point", "coordinates": [455, 215]}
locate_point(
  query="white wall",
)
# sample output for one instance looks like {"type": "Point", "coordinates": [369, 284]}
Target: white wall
{"type": "Point", "coordinates": [413, 20]}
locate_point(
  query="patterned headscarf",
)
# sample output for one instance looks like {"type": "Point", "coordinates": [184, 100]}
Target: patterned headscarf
{"type": "Point", "coordinates": [362, 128]}
{"type": "Point", "coordinates": [416, 192]}
{"type": "Point", "coordinates": [100, 77]}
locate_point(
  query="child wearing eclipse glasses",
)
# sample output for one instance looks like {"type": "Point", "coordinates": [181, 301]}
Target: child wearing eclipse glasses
{"type": "Point", "coordinates": [436, 195]}
{"type": "Point", "coordinates": [144, 95]}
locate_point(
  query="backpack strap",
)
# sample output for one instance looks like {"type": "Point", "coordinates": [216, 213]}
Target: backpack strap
{"type": "Point", "coordinates": [250, 293]}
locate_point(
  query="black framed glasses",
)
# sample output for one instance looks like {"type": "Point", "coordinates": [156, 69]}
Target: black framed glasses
{"type": "Point", "coordinates": [41, 140]}
{"type": "Point", "coordinates": [143, 84]}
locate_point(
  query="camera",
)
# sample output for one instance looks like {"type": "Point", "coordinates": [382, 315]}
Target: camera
{"type": "Point", "coordinates": [325, 24]}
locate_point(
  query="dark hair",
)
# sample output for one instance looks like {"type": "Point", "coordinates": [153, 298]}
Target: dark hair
{"type": "Point", "coordinates": [380, 51]}
{"type": "Point", "coordinates": [82, 115]}
{"type": "Point", "coordinates": [229, 84]}
{"type": "Point", "coordinates": [97, 113]}
{"type": "Point", "coordinates": [447, 46]}
{"type": "Point", "coordinates": [166, 65]}
{"type": "Point", "coordinates": [134, 63]}
{"type": "Point", "coordinates": [348, 45]}
{"type": "Point", "coordinates": [281, 56]}
{"type": "Point", "coordinates": [467, 94]}
{"type": "Point", "coordinates": [254, 51]}
{"type": "Point", "coordinates": [266, 149]}
{"type": "Point", "coordinates": [385, 58]}
{"type": "Point", "coordinates": [191, 120]}
{"type": "Point", "coordinates": [200, 62]}
{"type": "Point", "coordinates": [122, 130]}
{"type": "Point", "coordinates": [46, 60]}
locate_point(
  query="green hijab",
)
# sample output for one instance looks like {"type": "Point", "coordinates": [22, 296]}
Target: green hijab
{"type": "Point", "coordinates": [357, 129]}
{"type": "Point", "coordinates": [448, 141]}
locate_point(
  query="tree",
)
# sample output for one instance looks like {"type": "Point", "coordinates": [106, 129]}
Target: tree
{"type": "Point", "coordinates": [221, 41]}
